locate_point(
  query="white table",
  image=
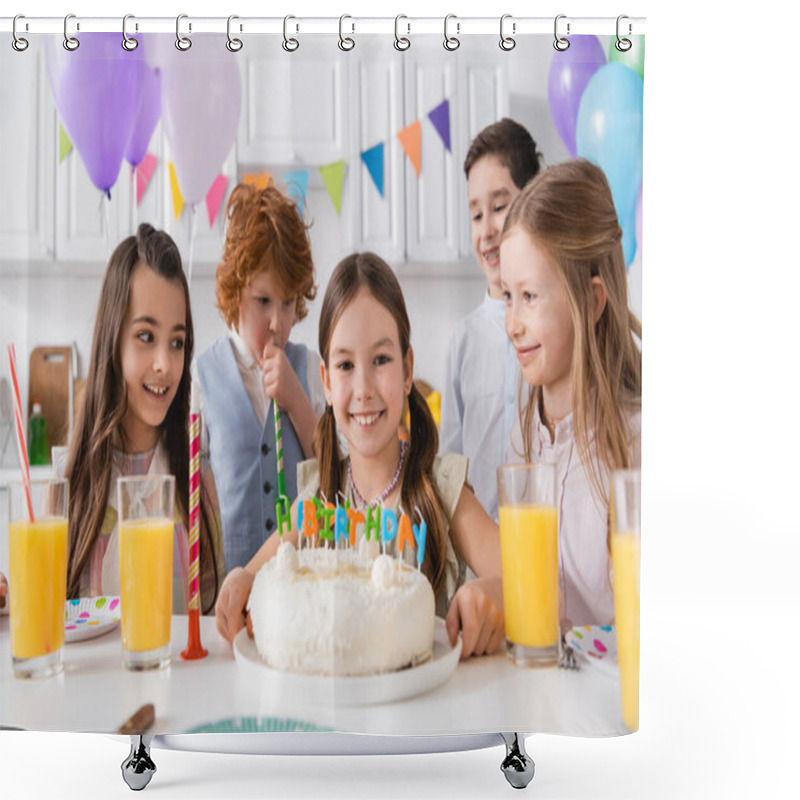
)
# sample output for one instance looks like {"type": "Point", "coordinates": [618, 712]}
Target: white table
{"type": "Point", "coordinates": [489, 694]}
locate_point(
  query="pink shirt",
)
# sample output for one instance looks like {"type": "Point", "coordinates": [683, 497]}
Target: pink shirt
{"type": "Point", "coordinates": [582, 520]}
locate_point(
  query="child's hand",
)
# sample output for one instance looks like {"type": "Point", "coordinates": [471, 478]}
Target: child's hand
{"type": "Point", "coordinates": [3, 590]}
{"type": "Point", "coordinates": [280, 382]}
{"type": "Point", "coordinates": [232, 601]}
{"type": "Point", "coordinates": [477, 609]}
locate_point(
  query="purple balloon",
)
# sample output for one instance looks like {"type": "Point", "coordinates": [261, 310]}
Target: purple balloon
{"type": "Point", "coordinates": [570, 71]}
{"type": "Point", "coordinates": [96, 90]}
{"type": "Point", "coordinates": [147, 117]}
{"type": "Point", "coordinates": [201, 101]}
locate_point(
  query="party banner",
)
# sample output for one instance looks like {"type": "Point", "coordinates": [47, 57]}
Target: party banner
{"type": "Point", "coordinates": [399, 394]}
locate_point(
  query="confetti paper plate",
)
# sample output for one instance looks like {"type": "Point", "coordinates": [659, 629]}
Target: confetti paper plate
{"type": "Point", "coordinates": [87, 617]}
{"type": "Point", "coordinates": [596, 644]}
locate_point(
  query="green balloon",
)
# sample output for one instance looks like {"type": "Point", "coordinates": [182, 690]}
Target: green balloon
{"type": "Point", "coordinates": [633, 58]}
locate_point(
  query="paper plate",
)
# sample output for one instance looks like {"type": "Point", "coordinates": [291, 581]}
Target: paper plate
{"type": "Point", "coordinates": [356, 690]}
{"type": "Point", "coordinates": [597, 645]}
{"type": "Point", "coordinates": [256, 725]}
{"type": "Point", "coordinates": [87, 617]}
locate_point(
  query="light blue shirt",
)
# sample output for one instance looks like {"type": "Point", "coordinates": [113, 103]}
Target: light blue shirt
{"type": "Point", "coordinates": [479, 401]}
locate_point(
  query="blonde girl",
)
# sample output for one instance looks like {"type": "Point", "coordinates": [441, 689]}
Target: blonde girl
{"type": "Point", "coordinates": [367, 372]}
{"type": "Point", "coordinates": [134, 419]}
{"type": "Point", "coordinates": [563, 277]}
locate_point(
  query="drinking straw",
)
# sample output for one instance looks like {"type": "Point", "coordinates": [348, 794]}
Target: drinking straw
{"type": "Point", "coordinates": [279, 448]}
{"type": "Point", "coordinates": [23, 448]}
{"type": "Point", "coordinates": [194, 648]}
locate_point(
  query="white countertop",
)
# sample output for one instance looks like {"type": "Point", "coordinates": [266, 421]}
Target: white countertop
{"type": "Point", "coordinates": [487, 694]}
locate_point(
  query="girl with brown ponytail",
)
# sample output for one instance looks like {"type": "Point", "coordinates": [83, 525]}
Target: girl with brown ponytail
{"type": "Point", "coordinates": [367, 371]}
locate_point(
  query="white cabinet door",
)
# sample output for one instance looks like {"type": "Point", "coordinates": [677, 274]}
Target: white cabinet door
{"type": "Point", "coordinates": [483, 99]}
{"type": "Point", "coordinates": [293, 105]}
{"type": "Point", "coordinates": [27, 158]}
{"type": "Point", "coordinates": [89, 224]}
{"type": "Point", "coordinates": [432, 199]}
{"type": "Point", "coordinates": [376, 104]}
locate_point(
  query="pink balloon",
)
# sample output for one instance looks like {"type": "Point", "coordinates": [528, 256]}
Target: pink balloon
{"type": "Point", "coordinates": [200, 106]}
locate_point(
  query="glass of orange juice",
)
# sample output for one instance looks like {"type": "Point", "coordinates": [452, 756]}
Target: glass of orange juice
{"type": "Point", "coordinates": [145, 508]}
{"type": "Point", "coordinates": [625, 558]}
{"type": "Point", "coordinates": [37, 576]}
{"type": "Point", "coordinates": [529, 552]}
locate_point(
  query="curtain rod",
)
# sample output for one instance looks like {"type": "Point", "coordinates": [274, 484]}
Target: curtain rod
{"type": "Point", "coordinates": [349, 25]}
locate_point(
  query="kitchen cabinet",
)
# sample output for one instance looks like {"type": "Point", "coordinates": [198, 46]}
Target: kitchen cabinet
{"type": "Point", "coordinates": [27, 160]}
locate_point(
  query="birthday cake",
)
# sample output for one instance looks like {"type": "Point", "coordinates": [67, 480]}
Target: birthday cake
{"type": "Point", "coordinates": [338, 612]}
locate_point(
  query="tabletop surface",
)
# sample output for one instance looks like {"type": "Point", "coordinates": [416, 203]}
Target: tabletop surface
{"type": "Point", "coordinates": [487, 694]}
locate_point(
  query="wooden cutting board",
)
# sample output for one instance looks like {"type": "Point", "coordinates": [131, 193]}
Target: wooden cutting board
{"type": "Point", "coordinates": [50, 382]}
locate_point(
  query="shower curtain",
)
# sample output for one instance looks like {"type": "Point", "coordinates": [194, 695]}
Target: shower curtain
{"type": "Point", "coordinates": [368, 136]}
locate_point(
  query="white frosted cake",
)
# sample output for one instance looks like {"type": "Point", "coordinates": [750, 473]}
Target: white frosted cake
{"type": "Point", "coordinates": [325, 612]}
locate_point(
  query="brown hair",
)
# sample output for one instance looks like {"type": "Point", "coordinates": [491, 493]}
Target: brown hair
{"type": "Point", "coordinates": [265, 232]}
{"type": "Point", "coordinates": [569, 211]}
{"type": "Point", "coordinates": [511, 143]}
{"type": "Point", "coordinates": [105, 403]}
{"type": "Point", "coordinates": [369, 271]}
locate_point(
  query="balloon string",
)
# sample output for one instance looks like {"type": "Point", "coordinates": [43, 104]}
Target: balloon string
{"type": "Point", "coordinates": [134, 195]}
{"type": "Point", "coordinates": [192, 228]}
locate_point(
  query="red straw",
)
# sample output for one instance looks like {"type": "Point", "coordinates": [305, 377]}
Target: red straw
{"type": "Point", "coordinates": [23, 447]}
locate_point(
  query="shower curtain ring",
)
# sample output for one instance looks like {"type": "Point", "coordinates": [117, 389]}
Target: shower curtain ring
{"type": "Point", "coordinates": [561, 43]}
{"type": "Point", "coordinates": [346, 43]}
{"type": "Point", "coordinates": [401, 43]}
{"type": "Point", "coordinates": [18, 42]}
{"type": "Point", "coordinates": [623, 45]}
{"type": "Point", "coordinates": [128, 42]}
{"type": "Point", "coordinates": [183, 43]}
{"type": "Point", "coordinates": [234, 45]}
{"type": "Point", "coordinates": [70, 42]}
{"type": "Point", "coordinates": [451, 43]}
{"type": "Point", "coordinates": [507, 42]}
{"type": "Point", "coordinates": [290, 44]}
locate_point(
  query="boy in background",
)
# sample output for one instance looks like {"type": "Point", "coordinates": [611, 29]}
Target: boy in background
{"type": "Point", "coordinates": [479, 404]}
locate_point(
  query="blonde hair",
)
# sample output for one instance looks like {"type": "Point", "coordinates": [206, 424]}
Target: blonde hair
{"type": "Point", "coordinates": [568, 210]}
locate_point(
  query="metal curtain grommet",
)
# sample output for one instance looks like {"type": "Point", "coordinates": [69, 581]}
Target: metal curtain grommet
{"type": "Point", "coordinates": [128, 42]}
{"type": "Point", "coordinates": [560, 43]}
{"type": "Point", "coordinates": [18, 42]}
{"type": "Point", "coordinates": [401, 43]}
{"type": "Point", "coordinates": [346, 43]}
{"type": "Point", "coordinates": [623, 45]}
{"type": "Point", "coordinates": [183, 43]}
{"type": "Point", "coordinates": [507, 42]}
{"type": "Point", "coordinates": [234, 45]}
{"type": "Point", "coordinates": [290, 44]}
{"type": "Point", "coordinates": [451, 43]}
{"type": "Point", "coordinates": [70, 42]}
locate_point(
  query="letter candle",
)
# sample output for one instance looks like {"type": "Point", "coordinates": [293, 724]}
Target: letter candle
{"type": "Point", "coordinates": [194, 648]}
{"type": "Point", "coordinates": [282, 505]}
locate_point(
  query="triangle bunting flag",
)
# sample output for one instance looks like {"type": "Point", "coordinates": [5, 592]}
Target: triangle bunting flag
{"type": "Point", "coordinates": [333, 178]}
{"type": "Point", "coordinates": [261, 180]}
{"type": "Point", "coordinates": [296, 187]}
{"type": "Point", "coordinates": [410, 137]}
{"type": "Point", "coordinates": [373, 158]}
{"type": "Point", "coordinates": [177, 197]}
{"type": "Point", "coordinates": [440, 117]}
{"type": "Point", "coordinates": [64, 144]}
{"type": "Point", "coordinates": [144, 171]}
{"type": "Point", "coordinates": [214, 198]}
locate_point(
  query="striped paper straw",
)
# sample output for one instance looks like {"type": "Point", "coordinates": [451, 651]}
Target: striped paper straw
{"type": "Point", "coordinates": [279, 449]}
{"type": "Point", "coordinates": [194, 511]}
{"type": "Point", "coordinates": [20, 426]}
